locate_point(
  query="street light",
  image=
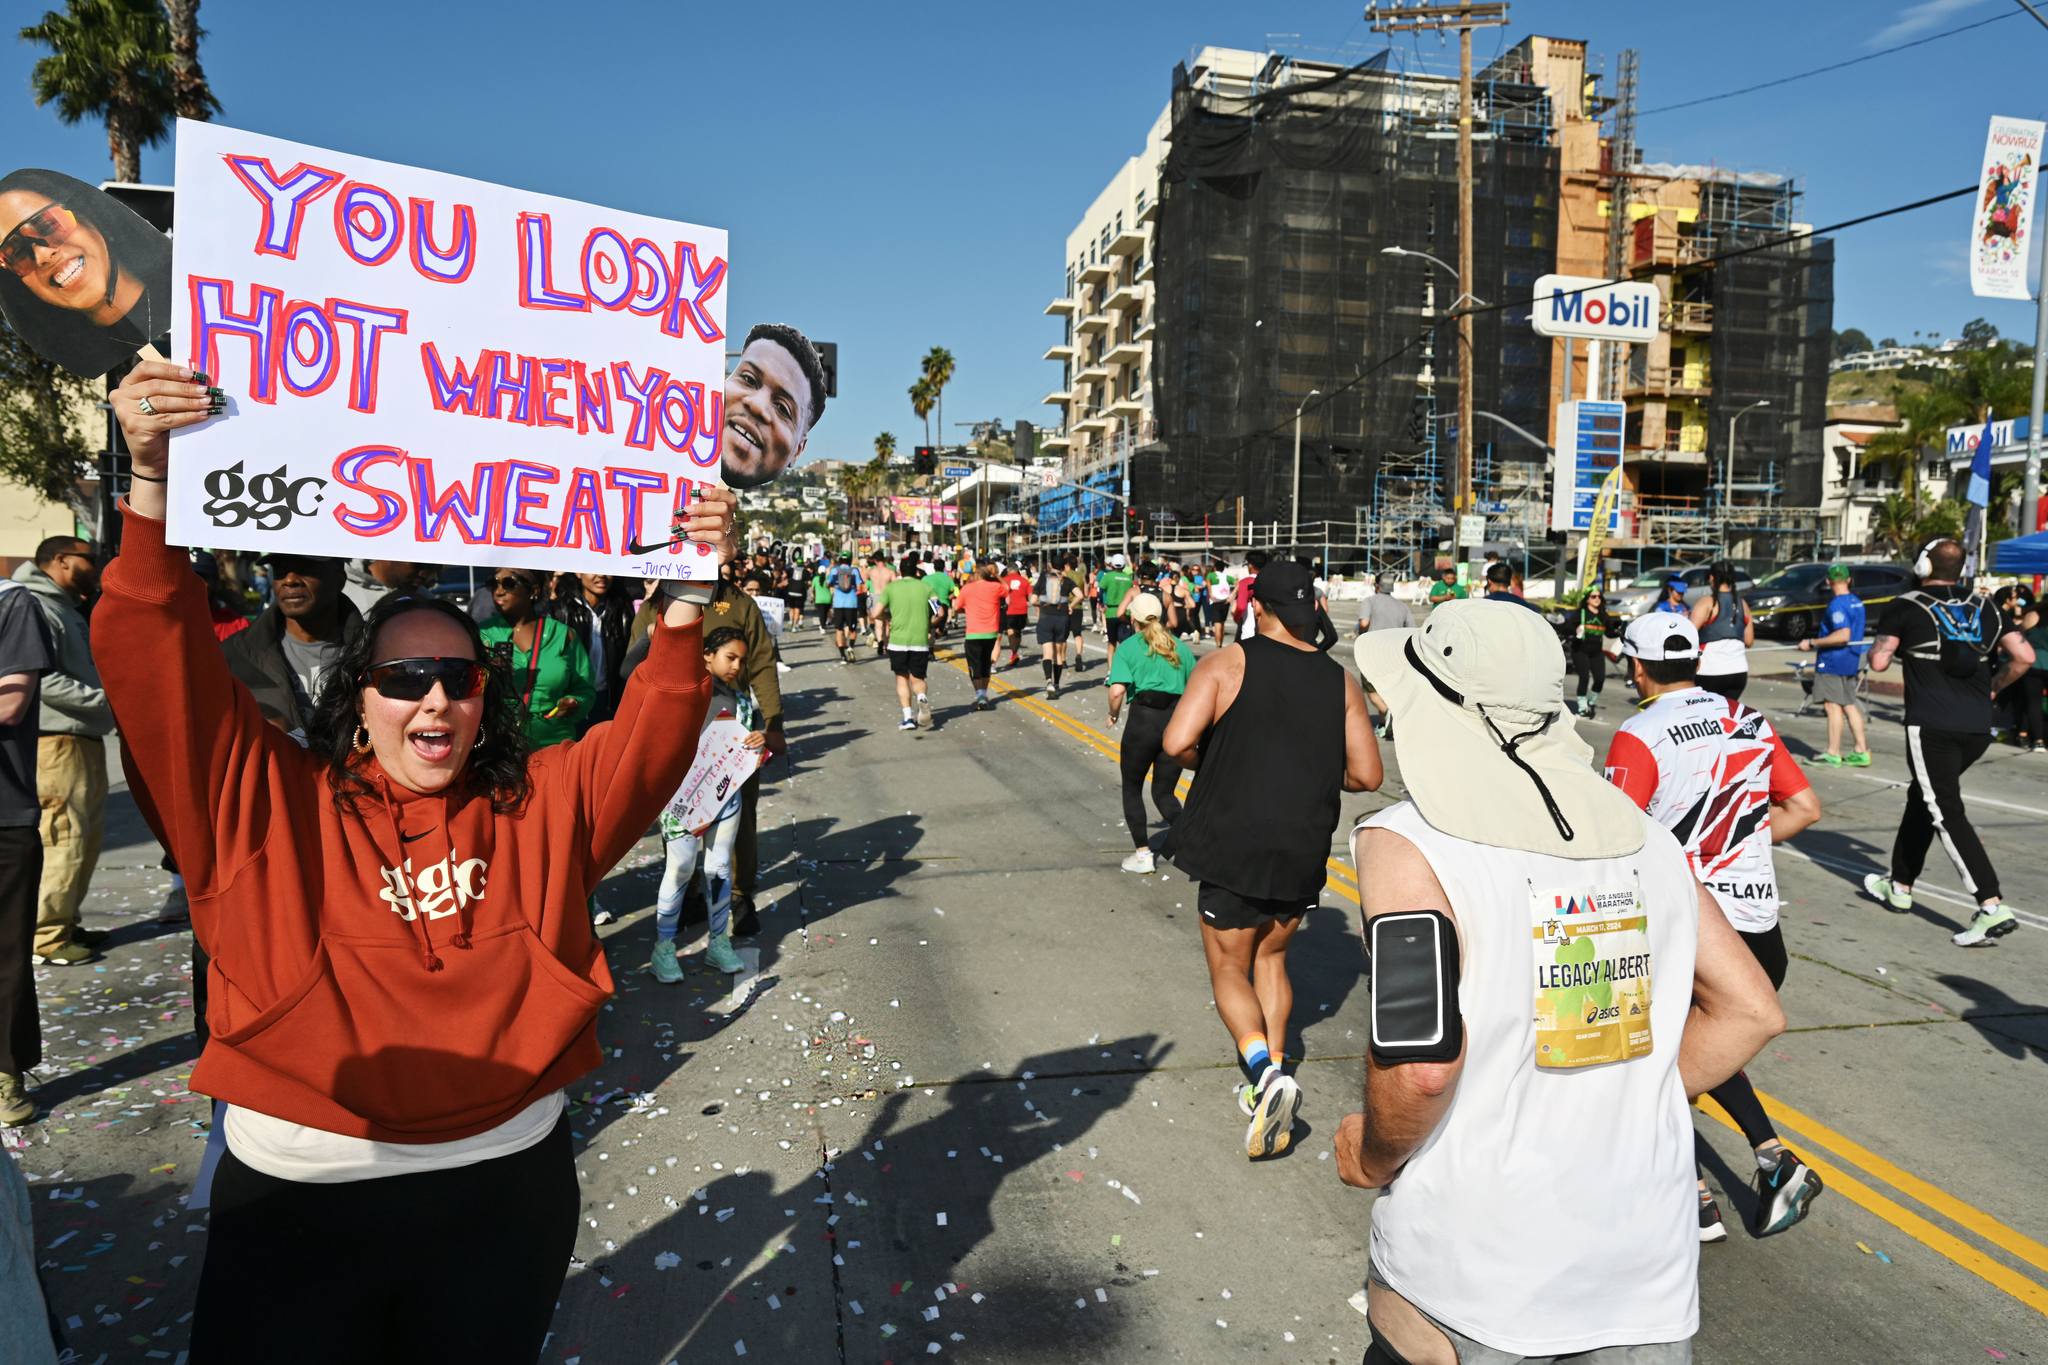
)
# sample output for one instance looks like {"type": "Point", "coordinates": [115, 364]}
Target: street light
{"type": "Point", "coordinates": [1463, 489]}
{"type": "Point", "coordinates": [1728, 480]}
{"type": "Point", "coordinates": [1294, 509]}
{"type": "Point", "coordinates": [1440, 264]}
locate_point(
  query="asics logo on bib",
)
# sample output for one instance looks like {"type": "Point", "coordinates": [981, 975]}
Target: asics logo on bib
{"type": "Point", "coordinates": [437, 890]}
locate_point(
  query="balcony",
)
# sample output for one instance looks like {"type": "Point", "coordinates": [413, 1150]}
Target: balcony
{"type": "Point", "coordinates": [1129, 408]}
{"type": "Point", "coordinates": [1145, 333]}
{"type": "Point", "coordinates": [1097, 272]}
{"type": "Point", "coordinates": [1053, 440]}
{"type": "Point", "coordinates": [1125, 353]}
{"type": "Point", "coordinates": [1144, 275]}
{"type": "Point", "coordinates": [1062, 305]}
{"type": "Point", "coordinates": [1094, 372]}
{"type": "Point", "coordinates": [1690, 317]}
{"type": "Point", "coordinates": [1058, 398]}
{"type": "Point", "coordinates": [1062, 351]}
{"type": "Point", "coordinates": [1094, 322]}
{"type": "Point", "coordinates": [1129, 242]}
{"type": "Point", "coordinates": [1661, 381]}
{"type": "Point", "coordinates": [1149, 211]}
{"type": "Point", "coordinates": [1094, 423]}
{"type": "Point", "coordinates": [1125, 297]}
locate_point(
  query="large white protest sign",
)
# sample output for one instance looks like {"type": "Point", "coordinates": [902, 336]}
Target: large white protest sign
{"type": "Point", "coordinates": [723, 764]}
{"type": "Point", "coordinates": [772, 609]}
{"type": "Point", "coordinates": [429, 368]}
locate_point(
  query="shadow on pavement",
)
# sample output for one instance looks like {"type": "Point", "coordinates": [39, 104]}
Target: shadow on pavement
{"type": "Point", "coordinates": [900, 1211]}
{"type": "Point", "coordinates": [2014, 1027]}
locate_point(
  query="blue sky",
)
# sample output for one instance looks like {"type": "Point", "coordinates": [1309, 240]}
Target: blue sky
{"type": "Point", "coordinates": [897, 175]}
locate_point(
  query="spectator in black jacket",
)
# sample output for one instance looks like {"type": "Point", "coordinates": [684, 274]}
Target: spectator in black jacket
{"type": "Point", "coordinates": [597, 608]}
{"type": "Point", "coordinates": [285, 655]}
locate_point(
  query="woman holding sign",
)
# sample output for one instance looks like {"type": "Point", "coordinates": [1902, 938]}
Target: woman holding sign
{"type": "Point", "coordinates": [404, 979]}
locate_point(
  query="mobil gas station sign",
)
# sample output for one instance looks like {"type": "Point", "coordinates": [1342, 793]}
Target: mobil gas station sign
{"type": "Point", "coordinates": [1604, 310]}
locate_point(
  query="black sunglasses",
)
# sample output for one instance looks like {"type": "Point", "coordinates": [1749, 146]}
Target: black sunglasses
{"type": "Point", "coordinates": [412, 679]}
{"type": "Point", "coordinates": [511, 584]}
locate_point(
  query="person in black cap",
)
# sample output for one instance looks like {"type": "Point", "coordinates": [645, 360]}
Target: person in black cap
{"type": "Point", "coordinates": [1273, 730]}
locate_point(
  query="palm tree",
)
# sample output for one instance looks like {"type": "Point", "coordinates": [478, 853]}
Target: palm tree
{"type": "Point", "coordinates": [1893, 525]}
{"type": "Point", "coordinates": [923, 398]}
{"type": "Point", "coordinates": [111, 60]}
{"type": "Point", "coordinates": [1924, 419]}
{"type": "Point", "coordinates": [194, 98]}
{"type": "Point", "coordinates": [885, 447]}
{"type": "Point", "coordinates": [938, 372]}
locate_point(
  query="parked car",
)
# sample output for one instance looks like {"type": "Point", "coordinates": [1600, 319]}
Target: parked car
{"type": "Point", "coordinates": [1788, 604]}
{"type": "Point", "coordinates": [1640, 594]}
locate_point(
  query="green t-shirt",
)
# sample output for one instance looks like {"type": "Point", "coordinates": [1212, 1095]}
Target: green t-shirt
{"type": "Point", "coordinates": [1141, 670]}
{"type": "Point", "coordinates": [821, 587]}
{"type": "Point", "coordinates": [1114, 584]}
{"type": "Point", "coordinates": [908, 601]}
{"type": "Point", "coordinates": [943, 586]}
{"type": "Point", "coordinates": [1445, 592]}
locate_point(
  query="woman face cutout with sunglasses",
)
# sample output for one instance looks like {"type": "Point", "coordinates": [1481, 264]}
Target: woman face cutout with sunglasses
{"type": "Point", "coordinates": [63, 260]}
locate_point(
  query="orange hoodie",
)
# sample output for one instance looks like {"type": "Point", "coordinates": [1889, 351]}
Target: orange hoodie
{"type": "Point", "coordinates": [418, 970]}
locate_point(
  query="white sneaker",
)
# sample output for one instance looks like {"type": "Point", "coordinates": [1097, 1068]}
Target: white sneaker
{"type": "Point", "coordinates": [1272, 1126]}
{"type": "Point", "coordinates": [1992, 921]}
{"type": "Point", "coordinates": [1140, 860]}
{"type": "Point", "coordinates": [1893, 899]}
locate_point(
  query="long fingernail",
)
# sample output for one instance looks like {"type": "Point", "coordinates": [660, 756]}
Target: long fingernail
{"type": "Point", "coordinates": [216, 393]}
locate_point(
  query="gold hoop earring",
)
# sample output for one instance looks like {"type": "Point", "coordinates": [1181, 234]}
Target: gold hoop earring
{"type": "Point", "coordinates": [362, 739]}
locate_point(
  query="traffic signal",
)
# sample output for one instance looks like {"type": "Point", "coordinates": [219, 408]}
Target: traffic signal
{"type": "Point", "coordinates": [925, 460]}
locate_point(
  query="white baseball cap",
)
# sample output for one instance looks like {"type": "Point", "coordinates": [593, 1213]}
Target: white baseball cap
{"type": "Point", "coordinates": [1659, 635]}
{"type": "Point", "coordinates": [1116, 561]}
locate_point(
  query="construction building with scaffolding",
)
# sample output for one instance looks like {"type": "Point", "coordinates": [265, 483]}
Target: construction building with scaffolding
{"type": "Point", "coordinates": [1297, 250]}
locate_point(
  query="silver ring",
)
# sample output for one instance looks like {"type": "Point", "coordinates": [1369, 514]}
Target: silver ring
{"type": "Point", "coordinates": [143, 406]}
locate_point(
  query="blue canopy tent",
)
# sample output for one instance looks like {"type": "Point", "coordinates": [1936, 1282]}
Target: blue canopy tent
{"type": "Point", "coordinates": [2021, 555]}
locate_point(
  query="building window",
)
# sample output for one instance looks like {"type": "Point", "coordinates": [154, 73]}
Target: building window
{"type": "Point", "coordinates": [1119, 223]}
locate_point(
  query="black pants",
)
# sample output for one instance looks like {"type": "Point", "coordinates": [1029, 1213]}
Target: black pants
{"type": "Point", "coordinates": [1937, 759]}
{"type": "Point", "coordinates": [1144, 728]}
{"type": "Point", "coordinates": [1589, 668]}
{"type": "Point", "coordinates": [1727, 685]}
{"type": "Point", "coordinates": [21, 870]}
{"type": "Point", "coordinates": [980, 658]}
{"type": "Point", "coordinates": [2031, 686]}
{"type": "Point", "coordinates": [1119, 630]}
{"type": "Point", "coordinates": [407, 1270]}
{"type": "Point", "coordinates": [1736, 1094]}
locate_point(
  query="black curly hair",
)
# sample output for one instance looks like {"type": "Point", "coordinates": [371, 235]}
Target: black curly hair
{"type": "Point", "coordinates": [721, 636]}
{"type": "Point", "coordinates": [133, 246]}
{"type": "Point", "coordinates": [806, 357]}
{"type": "Point", "coordinates": [496, 770]}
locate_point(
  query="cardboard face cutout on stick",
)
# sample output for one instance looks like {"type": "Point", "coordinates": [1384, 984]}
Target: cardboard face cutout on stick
{"type": "Point", "coordinates": [83, 280]}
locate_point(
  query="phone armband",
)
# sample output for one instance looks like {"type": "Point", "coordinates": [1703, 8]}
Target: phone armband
{"type": "Point", "coordinates": [1412, 963]}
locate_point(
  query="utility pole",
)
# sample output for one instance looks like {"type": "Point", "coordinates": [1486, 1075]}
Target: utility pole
{"type": "Point", "coordinates": [1395, 18]}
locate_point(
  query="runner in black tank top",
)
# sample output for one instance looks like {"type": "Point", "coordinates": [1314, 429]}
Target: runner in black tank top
{"type": "Point", "coordinates": [1270, 762]}
{"type": "Point", "coordinates": [1264, 802]}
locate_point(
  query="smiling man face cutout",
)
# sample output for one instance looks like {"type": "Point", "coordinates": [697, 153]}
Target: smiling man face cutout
{"type": "Point", "coordinates": [773, 397]}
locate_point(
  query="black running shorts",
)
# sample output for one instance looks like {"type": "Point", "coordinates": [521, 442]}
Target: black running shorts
{"type": "Point", "coordinates": [1016, 621]}
{"type": "Point", "coordinates": [846, 618]}
{"type": "Point", "coordinates": [1053, 627]}
{"type": "Point", "coordinates": [1222, 909]}
{"type": "Point", "coordinates": [909, 663]}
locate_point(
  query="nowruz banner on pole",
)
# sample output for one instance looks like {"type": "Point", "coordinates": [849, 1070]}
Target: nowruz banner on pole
{"type": "Point", "coordinates": [2002, 230]}
{"type": "Point", "coordinates": [425, 367]}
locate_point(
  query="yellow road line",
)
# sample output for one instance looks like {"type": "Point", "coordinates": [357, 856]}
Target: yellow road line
{"type": "Point", "coordinates": [1872, 1201]}
{"type": "Point", "coordinates": [1935, 1239]}
{"type": "Point", "coordinates": [1947, 1205]}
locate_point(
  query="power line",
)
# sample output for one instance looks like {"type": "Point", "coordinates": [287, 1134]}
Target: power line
{"type": "Point", "coordinates": [1834, 66]}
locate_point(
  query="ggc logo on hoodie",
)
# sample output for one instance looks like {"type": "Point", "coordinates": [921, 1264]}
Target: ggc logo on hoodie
{"type": "Point", "coordinates": [437, 890]}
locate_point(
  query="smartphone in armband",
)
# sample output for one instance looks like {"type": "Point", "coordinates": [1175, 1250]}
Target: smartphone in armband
{"type": "Point", "coordinates": [1413, 967]}
{"type": "Point", "coordinates": [700, 591]}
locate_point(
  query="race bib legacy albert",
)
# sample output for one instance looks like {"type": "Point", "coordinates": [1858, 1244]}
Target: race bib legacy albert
{"type": "Point", "coordinates": [1592, 965]}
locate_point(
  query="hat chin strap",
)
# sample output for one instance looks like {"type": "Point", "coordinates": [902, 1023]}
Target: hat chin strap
{"type": "Point", "coordinates": [1507, 746]}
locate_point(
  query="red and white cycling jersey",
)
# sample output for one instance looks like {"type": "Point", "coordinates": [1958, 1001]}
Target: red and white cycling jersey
{"type": "Point", "coordinates": [1708, 769]}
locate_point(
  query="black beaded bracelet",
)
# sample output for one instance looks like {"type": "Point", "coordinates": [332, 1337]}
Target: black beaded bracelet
{"type": "Point", "coordinates": [146, 478]}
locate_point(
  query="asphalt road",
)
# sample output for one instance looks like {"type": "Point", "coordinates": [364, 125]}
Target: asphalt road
{"type": "Point", "coordinates": [974, 1102]}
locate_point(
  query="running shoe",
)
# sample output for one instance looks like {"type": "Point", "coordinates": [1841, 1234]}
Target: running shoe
{"type": "Point", "coordinates": [1247, 1098]}
{"type": "Point", "coordinates": [1140, 860]}
{"type": "Point", "coordinates": [1832, 760]}
{"type": "Point", "coordinates": [663, 964]}
{"type": "Point", "coordinates": [2039, 748]}
{"type": "Point", "coordinates": [718, 954]}
{"type": "Point", "coordinates": [1272, 1126]}
{"type": "Point", "coordinates": [907, 724]}
{"type": "Point", "coordinates": [16, 1108]}
{"type": "Point", "coordinates": [1053, 693]}
{"type": "Point", "coordinates": [600, 915]}
{"type": "Point", "coordinates": [1894, 899]}
{"type": "Point", "coordinates": [66, 955]}
{"type": "Point", "coordinates": [924, 712]}
{"type": "Point", "coordinates": [1993, 921]}
{"type": "Point", "coordinates": [1785, 1191]}
{"type": "Point", "coordinates": [1711, 1229]}
{"type": "Point", "coordinates": [1861, 760]}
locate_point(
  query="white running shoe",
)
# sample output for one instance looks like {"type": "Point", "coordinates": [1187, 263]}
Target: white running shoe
{"type": "Point", "coordinates": [924, 712]}
{"type": "Point", "coordinates": [1272, 1125]}
{"type": "Point", "coordinates": [1893, 899]}
{"type": "Point", "coordinates": [1140, 860]}
{"type": "Point", "coordinates": [1992, 921]}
